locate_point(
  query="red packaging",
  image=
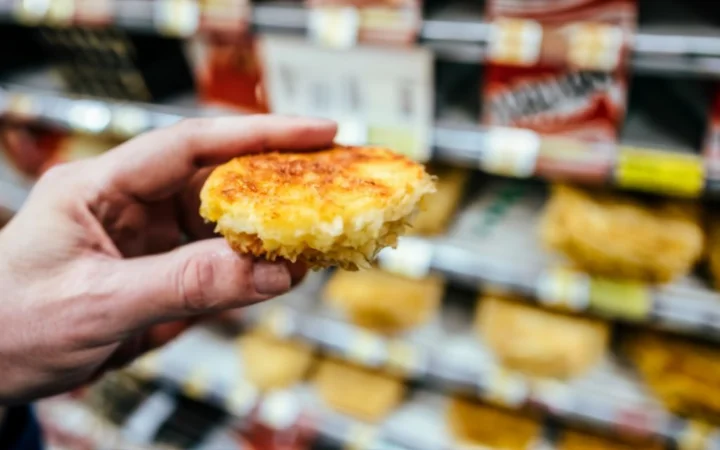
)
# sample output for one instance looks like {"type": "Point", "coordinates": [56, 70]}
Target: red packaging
{"type": "Point", "coordinates": [381, 21]}
{"type": "Point", "coordinates": [558, 67]}
{"type": "Point", "coordinates": [230, 74]}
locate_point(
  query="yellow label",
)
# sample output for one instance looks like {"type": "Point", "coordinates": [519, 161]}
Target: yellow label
{"type": "Point", "coordinates": [505, 388]}
{"type": "Point", "coordinates": [401, 140]}
{"type": "Point", "coordinates": [564, 289]}
{"type": "Point", "coordinates": [661, 172]}
{"type": "Point", "coordinates": [177, 17]}
{"type": "Point", "coordinates": [196, 385]}
{"type": "Point", "coordinates": [404, 358]}
{"type": "Point", "coordinates": [620, 299]}
{"type": "Point", "coordinates": [148, 365]}
{"type": "Point", "coordinates": [695, 436]}
{"type": "Point", "coordinates": [335, 27]}
{"type": "Point", "coordinates": [61, 12]}
{"type": "Point", "coordinates": [367, 348]}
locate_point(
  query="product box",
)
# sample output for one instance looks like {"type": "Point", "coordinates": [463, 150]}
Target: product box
{"type": "Point", "coordinates": [559, 67]}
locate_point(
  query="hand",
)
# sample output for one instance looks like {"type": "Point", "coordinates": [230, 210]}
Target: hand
{"type": "Point", "coordinates": [91, 269]}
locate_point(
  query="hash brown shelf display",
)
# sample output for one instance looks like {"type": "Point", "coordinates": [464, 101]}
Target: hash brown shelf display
{"type": "Point", "coordinates": [616, 235]}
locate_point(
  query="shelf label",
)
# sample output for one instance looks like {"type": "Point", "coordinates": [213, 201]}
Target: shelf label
{"type": "Point", "coordinates": [336, 27]}
{"type": "Point", "coordinates": [515, 42]}
{"type": "Point", "coordinates": [554, 395]}
{"type": "Point", "coordinates": [366, 349]}
{"type": "Point", "coordinates": [510, 152]}
{"type": "Point", "coordinates": [31, 11]}
{"type": "Point", "coordinates": [242, 399]}
{"type": "Point", "coordinates": [89, 116]}
{"type": "Point", "coordinates": [406, 358]}
{"type": "Point", "coordinates": [695, 436]}
{"type": "Point", "coordinates": [196, 385]}
{"type": "Point", "coordinates": [22, 105]}
{"type": "Point", "coordinates": [61, 12]}
{"type": "Point", "coordinates": [412, 258]}
{"type": "Point", "coordinates": [281, 322]}
{"type": "Point", "coordinates": [360, 437]}
{"type": "Point", "coordinates": [177, 17]}
{"type": "Point", "coordinates": [280, 410]}
{"type": "Point", "coordinates": [562, 288]}
{"type": "Point", "coordinates": [621, 299]}
{"type": "Point", "coordinates": [352, 132]}
{"type": "Point", "coordinates": [148, 365]}
{"type": "Point", "coordinates": [503, 387]}
{"type": "Point", "coordinates": [660, 172]}
{"type": "Point", "coordinates": [595, 46]}
{"type": "Point", "coordinates": [129, 121]}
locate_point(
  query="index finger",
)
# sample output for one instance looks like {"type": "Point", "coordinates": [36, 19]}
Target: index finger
{"type": "Point", "coordinates": [157, 164]}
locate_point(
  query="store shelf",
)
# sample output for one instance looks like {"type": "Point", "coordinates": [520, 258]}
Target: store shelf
{"type": "Point", "coordinates": [206, 365]}
{"type": "Point", "coordinates": [689, 50]}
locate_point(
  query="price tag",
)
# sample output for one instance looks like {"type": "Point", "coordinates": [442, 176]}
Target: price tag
{"type": "Point", "coordinates": [129, 121]}
{"type": "Point", "coordinates": [177, 17]}
{"type": "Point", "coordinates": [660, 172]}
{"type": "Point", "coordinates": [31, 11]}
{"type": "Point", "coordinates": [360, 437]}
{"type": "Point", "coordinates": [412, 258]}
{"type": "Point", "coordinates": [366, 349]}
{"type": "Point", "coordinates": [335, 27]}
{"type": "Point", "coordinates": [621, 299]}
{"type": "Point", "coordinates": [61, 12]}
{"type": "Point", "coordinates": [242, 399]}
{"type": "Point", "coordinates": [405, 358]}
{"type": "Point", "coordinates": [88, 116]}
{"type": "Point", "coordinates": [22, 105]}
{"type": "Point", "coordinates": [197, 384]}
{"type": "Point", "coordinates": [695, 436]}
{"type": "Point", "coordinates": [595, 46]}
{"type": "Point", "coordinates": [556, 396]}
{"type": "Point", "coordinates": [510, 152]}
{"type": "Point", "coordinates": [515, 42]}
{"type": "Point", "coordinates": [352, 132]}
{"type": "Point", "coordinates": [401, 140]}
{"type": "Point", "coordinates": [281, 322]}
{"type": "Point", "coordinates": [148, 365]}
{"type": "Point", "coordinates": [503, 387]}
{"type": "Point", "coordinates": [280, 410]}
{"type": "Point", "coordinates": [563, 288]}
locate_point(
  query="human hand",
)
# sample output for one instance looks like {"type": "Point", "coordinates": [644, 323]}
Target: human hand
{"type": "Point", "coordinates": [92, 271]}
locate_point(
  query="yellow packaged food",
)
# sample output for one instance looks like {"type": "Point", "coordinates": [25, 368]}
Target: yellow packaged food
{"type": "Point", "coordinates": [384, 302]}
{"type": "Point", "coordinates": [537, 341]}
{"type": "Point", "coordinates": [622, 236]}
{"type": "Point", "coordinates": [436, 210]}
{"type": "Point", "coordinates": [271, 363]}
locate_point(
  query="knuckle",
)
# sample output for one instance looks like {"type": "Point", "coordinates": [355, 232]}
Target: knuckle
{"type": "Point", "coordinates": [198, 277]}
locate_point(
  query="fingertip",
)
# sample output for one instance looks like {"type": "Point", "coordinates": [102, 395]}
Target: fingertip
{"type": "Point", "coordinates": [298, 272]}
{"type": "Point", "coordinates": [271, 278]}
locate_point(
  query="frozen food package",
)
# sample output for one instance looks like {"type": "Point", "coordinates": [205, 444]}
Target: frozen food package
{"type": "Point", "coordinates": [358, 392]}
{"type": "Point", "coordinates": [683, 373]}
{"type": "Point", "coordinates": [384, 302]}
{"type": "Point", "coordinates": [473, 423]}
{"type": "Point", "coordinates": [437, 210]}
{"type": "Point", "coordinates": [271, 363]}
{"type": "Point", "coordinates": [539, 342]}
{"type": "Point", "coordinates": [622, 236]}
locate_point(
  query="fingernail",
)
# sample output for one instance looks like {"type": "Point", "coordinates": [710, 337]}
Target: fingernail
{"type": "Point", "coordinates": [271, 278]}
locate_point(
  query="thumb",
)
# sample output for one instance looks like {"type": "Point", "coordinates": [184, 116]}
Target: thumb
{"type": "Point", "coordinates": [199, 278]}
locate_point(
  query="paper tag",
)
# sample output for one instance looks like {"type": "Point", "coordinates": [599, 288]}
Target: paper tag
{"type": "Point", "coordinates": [515, 42]}
{"type": "Point", "coordinates": [563, 288]}
{"type": "Point", "coordinates": [510, 152]}
{"type": "Point", "coordinates": [556, 396]}
{"type": "Point", "coordinates": [129, 121]}
{"type": "Point", "coordinates": [595, 46]}
{"type": "Point", "coordinates": [31, 11]}
{"type": "Point", "coordinates": [61, 12]}
{"type": "Point", "coordinates": [660, 172]}
{"type": "Point", "coordinates": [280, 410]}
{"type": "Point", "coordinates": [403, 140]}
{"type": "Point", "coordinates": [351, 132]}
{"type": "Point", "coordinates": [177, 17]}
{"type": "Point", "coordinates": [621, 299]}
{"type": "Point", "coordinates": [412, 258]}
{"type": "Point", "coordinates": [695, 436]}
{"type": "Point", "coordinates": [281, 322]}
{"type": "Point", "coordinates": [335, 27]}
{"type": "Point", "coordinates": [242, 399]}
{"type": "Point", "coordinates": [148, 365]}
{"type": "Point", "coordinates": [22, 105]}
{"type": "Point", "coordinates": [504, 387]}
{"type": "Point", "coordinates": [89, 116]}
{"type": "Point", "coordinates": [360, 437]}
{"type": "Point", "coordinates": [197, 384]}
{"type": "Point", "coordinates": [406, 358]}
{"type": "Point", "coordinates": [366, 349]}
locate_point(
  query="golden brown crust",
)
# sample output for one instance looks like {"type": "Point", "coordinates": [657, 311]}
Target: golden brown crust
{"type": "Point", "coordinates": [338, 206]}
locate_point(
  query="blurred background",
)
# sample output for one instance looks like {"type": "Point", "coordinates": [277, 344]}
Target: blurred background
{"type": "Point", "coordinates": [558, 292]}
